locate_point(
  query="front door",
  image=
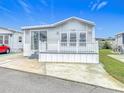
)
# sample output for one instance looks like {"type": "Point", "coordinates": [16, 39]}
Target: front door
{"type": "Point", "coordinates": [37, 36]}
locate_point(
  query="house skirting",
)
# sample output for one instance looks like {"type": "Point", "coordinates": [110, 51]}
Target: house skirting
{"type": "Point", "coordinates": [75, 58]}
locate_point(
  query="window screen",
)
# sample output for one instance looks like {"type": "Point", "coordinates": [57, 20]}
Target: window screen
{"type": "Point", "coordinates": [72, 37]}
{"type": "Point", "coordinates": [82, 37]}
{"type": "Point", "coordinates": [64, 37]}
{"type": "Point", "coordinates": [43, 36]}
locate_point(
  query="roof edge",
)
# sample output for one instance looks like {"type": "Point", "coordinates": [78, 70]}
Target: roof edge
{"type": "Point", "coordinates": [59, 22]}
{"type": "Point", "coordinates": [10, 30]}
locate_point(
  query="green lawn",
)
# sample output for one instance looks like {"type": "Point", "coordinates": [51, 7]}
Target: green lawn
{"type": "Point", "coordinates": [114, 67]}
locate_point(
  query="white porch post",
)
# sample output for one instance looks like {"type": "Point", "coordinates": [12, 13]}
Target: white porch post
{"type": "Point", "coordinates": [93, 34]}
{"type": "Point", "coordinates": [77, 42]}
{"type": "Point", "coordinates": [27, 43]}
{"type": "Point", "coordinates": [58, 46]}
{"type": "Point", "coordinates": [77, 46]}
{"type": "Point", "coordinates": [39, 46]}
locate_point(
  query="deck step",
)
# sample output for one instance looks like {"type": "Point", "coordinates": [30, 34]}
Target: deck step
{"type": "Point", "coordinates": [34, 56]}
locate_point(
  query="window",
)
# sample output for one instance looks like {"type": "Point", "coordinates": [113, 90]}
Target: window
{"type": "Point", "coordinates": [6, 39]}
{"type": "Point", "coordinates": [34, 40]}
{"type": "Point", "coordinates": [123, 38]}
{"type": "Point", "coordinates": [20, 39]}
{"type": "Point", "coordinates": [73, 39]}
{"type": "Point", "coordinates": [43, 36]}
{"type": "Point", "coordinates": [82, 39]}
{"type": "Point", "coordinates": [1, 39]}
{"type": "Point", "coordinates": [64, 39]}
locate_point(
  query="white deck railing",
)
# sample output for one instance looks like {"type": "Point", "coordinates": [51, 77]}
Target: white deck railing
{"type": "Point", "coordinates": [68, 47]}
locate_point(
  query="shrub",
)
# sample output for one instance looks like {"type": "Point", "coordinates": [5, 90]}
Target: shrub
{"type": "Point", "coordinates": [106, 45]}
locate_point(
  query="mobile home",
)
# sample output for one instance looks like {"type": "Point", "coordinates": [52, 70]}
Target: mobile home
{"type": "Point", "coordinates": [119, 43]}
{"type": "Point", "coordinates": [69, 40]}
{"type": "Point", "coordinates": [11, 38]}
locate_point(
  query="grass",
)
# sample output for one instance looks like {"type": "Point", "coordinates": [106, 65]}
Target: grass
{"type": "Point", "coordinates": [114, 67]}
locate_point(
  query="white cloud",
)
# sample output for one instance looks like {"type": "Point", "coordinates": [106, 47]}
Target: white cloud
{"type": "Point", "coordinates": [94, 6]}
{"type": "Point", "coordinates": [24, 5]}
{"type": "Point", "coordinates": [101, 5]}
{"type": "Point", "coordinates": [97, 5]}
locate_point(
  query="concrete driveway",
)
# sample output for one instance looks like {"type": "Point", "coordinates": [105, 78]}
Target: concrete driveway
{"type": "Point", "coordinates": [12, 81]}
{"type": "Point", "coordinates": [88, 73]}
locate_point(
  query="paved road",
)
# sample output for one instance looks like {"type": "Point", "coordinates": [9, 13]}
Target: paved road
{"type": "Point", "coordinates": [12, 81]}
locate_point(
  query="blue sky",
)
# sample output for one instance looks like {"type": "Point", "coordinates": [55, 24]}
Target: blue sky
{"type": "Point", "coordinates": [107, 14]}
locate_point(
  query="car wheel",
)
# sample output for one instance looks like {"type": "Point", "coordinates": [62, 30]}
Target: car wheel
{"type": "Point", "coordinates": [7, 51]}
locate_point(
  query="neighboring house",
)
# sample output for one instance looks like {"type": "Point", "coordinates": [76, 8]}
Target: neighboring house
{"type": "Point", "coordinates": [119, 42]}
{"type": "Point", "coordinates": [70, 40]}
{"type": "Point", "coordinates": [11, 38]}
{"type": "Point", "coordinates": [109, 40]}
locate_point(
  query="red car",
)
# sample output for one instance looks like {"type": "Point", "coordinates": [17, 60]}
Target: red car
{"type": "Point", "coordinates": [4, 49]}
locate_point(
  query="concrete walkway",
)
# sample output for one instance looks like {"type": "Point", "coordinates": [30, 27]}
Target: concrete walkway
{"type": "Point", "coordinates": [88, 73]}
{"type": "Point", "coordinates": [118, 57]}
{"type": "Point", "coordinates": [12, 81]}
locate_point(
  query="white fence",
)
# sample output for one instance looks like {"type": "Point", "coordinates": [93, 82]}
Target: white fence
{"type": "Point", "coordinates": [69, 58]}
{"type": "Point", "coordinates": [68, 47]}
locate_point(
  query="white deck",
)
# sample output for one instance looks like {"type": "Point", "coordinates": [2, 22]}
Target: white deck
{"type": "Point", "coordinates": [86, 53]}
